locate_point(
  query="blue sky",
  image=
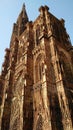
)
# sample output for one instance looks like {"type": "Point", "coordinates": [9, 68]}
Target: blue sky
{"type": "Point", "coordinates": [10, 9]}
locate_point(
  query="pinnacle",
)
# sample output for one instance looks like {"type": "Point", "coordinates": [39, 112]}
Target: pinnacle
{"type": "Point", "coordinates": [23, 6]}
{"type": "Point", "coordinates": [24, 11]}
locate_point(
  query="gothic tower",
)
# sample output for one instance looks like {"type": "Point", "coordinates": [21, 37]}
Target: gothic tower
{"type": "Point", "coordinates": [36, 82]}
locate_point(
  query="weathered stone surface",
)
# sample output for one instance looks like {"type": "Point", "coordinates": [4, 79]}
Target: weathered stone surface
{"type": "Point", "coordinates": [36, 83]}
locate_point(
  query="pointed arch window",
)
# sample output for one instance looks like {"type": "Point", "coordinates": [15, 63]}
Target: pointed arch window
{"type": "Point", "coordinates": [39, 68]}
{"type": "Point", "coordinates": [65, 67]}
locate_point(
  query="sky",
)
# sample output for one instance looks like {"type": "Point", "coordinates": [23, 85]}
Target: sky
{"type": "Point", "coordinates": [10, 9]}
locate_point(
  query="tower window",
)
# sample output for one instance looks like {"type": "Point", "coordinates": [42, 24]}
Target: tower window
{"type": "Point", "coordinates": [39, 71]}
{"type": "Point", "coordinates": [37, 35]}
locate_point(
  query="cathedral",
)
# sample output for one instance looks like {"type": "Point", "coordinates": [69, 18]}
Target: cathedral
{"type": "Point", "coordinates": [36, 81]}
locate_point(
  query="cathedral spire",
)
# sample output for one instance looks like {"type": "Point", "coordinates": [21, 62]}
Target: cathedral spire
{"type": "Point", "coordinates": [22, 20]}
{"type": "Point", "coordinates": [19, 26]}
{"type": "Point", "coordinates": [23, 11]}
{"type": "Point", "coordinates": [23, 7]}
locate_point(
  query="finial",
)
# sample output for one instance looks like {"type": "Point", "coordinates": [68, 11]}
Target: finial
{"type": "Point", "coordinates": [46, 7]}
{"type": "Point", "coordinates": [24, 11]}
{"type": "Point", "coordinates": [41, 8]}
{"type": "Point", "coordinates": [23, 7]}
{"type": "Point", "coordinates": [62, 21]}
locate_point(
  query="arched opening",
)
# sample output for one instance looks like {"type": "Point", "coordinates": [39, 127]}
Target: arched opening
{"type": "Point", "coordinates": [65, 67]}
{"type": "Point", "coordinates": [66, 70]}
{"type": "Point", "coordinates": [39, 68]}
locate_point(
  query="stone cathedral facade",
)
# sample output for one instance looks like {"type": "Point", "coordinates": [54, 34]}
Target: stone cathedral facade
{"type": "Point", "coordinates": [36, 82]}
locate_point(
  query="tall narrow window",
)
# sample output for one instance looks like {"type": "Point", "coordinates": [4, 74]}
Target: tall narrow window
{"type": "Point", "coordinates": [39, 68]}
{"type": "Point", "coordinates": [65, 67]}
{"type": "Point", "coordinates": [37, 35]}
